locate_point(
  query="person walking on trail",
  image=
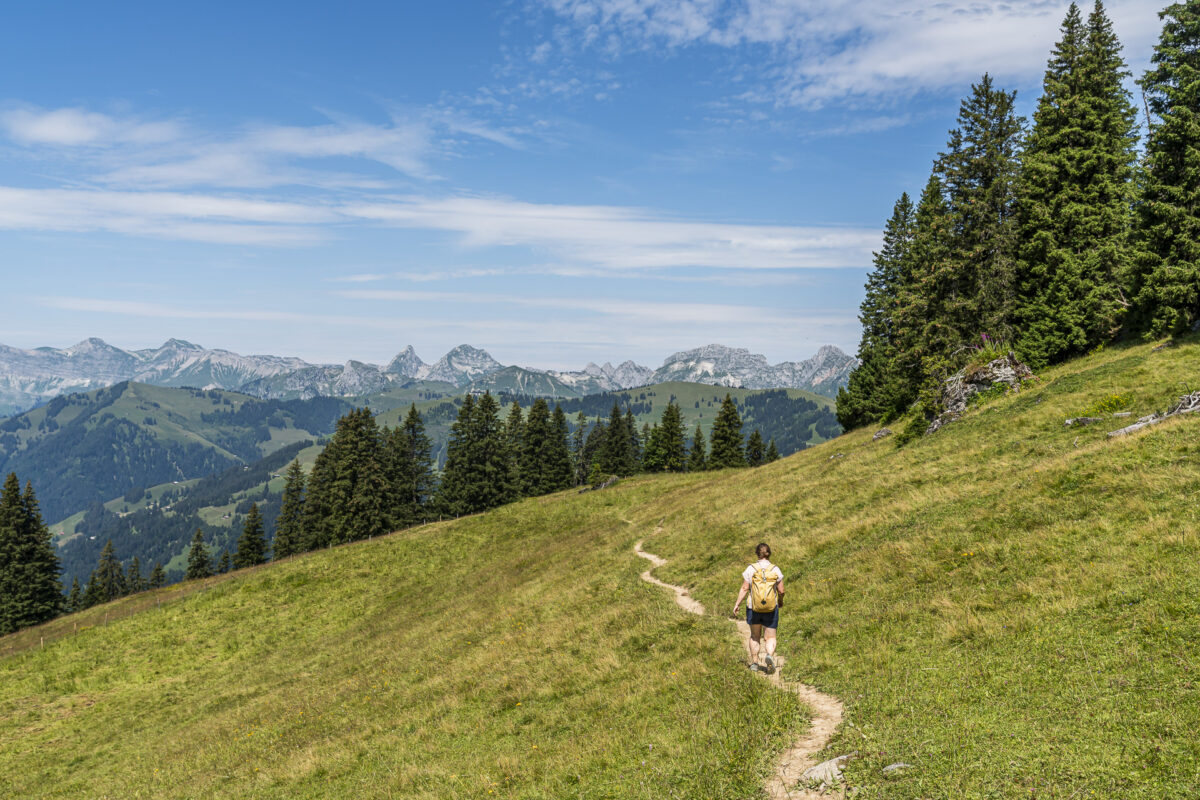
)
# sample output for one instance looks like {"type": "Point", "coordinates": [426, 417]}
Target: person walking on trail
{"type": "Point", "coordinates": [763, 581]}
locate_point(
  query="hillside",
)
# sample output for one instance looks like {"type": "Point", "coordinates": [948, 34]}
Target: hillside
{"type": "Point", "coordinates": [1009, 605]}
{"type": "Point", "coordinates": [81, 449]}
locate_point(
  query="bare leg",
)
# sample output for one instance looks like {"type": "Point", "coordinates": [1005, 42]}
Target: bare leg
{"type": "Point", "coordinates": [755, 635]}
{"type": "Point", "coordinates": [770, 632]}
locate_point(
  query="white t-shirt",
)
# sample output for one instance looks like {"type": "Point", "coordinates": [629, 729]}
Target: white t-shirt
{"type": "Point", "coordinates": [748, 572]}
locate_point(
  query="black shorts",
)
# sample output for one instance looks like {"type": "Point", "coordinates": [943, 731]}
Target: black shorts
{"type": "Point", "coordinates": [768, 619]}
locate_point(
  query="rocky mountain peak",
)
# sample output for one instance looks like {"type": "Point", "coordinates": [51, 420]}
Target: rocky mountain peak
{"type": "Point", "coordinates": [406, 363]}
{"type": "Point", "coordinates": [462, 365]}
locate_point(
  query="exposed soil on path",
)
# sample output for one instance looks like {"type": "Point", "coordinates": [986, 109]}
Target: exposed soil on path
{"type": "Point", "coordinates": [797, 769]}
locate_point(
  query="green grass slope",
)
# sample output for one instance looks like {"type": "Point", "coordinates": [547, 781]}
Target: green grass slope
{"type": "Point", "coordinates": [1010, 606]}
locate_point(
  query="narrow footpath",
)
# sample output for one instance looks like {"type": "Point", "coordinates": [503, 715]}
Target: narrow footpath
{"type": "Point", "coordinates": [797, 775]}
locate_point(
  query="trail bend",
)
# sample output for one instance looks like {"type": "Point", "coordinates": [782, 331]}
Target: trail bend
{"type": "Point", "coordinates": [798, 762]}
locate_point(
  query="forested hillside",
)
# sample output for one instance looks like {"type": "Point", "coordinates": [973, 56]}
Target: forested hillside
{"type": "Point", "coordinates": [86, 448]}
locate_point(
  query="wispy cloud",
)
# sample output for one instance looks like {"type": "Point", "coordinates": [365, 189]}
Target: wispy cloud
{"type": "Point", "coordinates": [77, 127]}
{"type": "Point", "coordinates": [626, 238]}
{"type": "Point", "coordinates": [813, 52]}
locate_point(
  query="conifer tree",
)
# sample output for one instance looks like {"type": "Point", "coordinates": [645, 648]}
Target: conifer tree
{"type": "Point", "coordinates": [593, 450]}
{"type": "Point", "coordinates": [634, 464]}
{"type": "Point", "coordinates": [616, 456]}
{"type": "Point", "coordinates": [1075, 194]}
{"type": "Point", "coordinates": [252, 544]}
{"type": "Point", "coordinates": [198, 563]}
{"type": "Point", "coordinates": [697, 458]}
{"type": "Point", "coordinates": [726, 437]}
{"type": "Point", "coordinates": [420, 451]}
{"type": "Point", "coordinates": [289, 527]}
{"type": "Point", "coordinates": [490, 471]}
{"type": "Point", "coordinates": [319, 500]}
{"type": "Point", "coordinates": [75, 598]}
{"type": "Point", "coordinates": [1168, 216]}
{"type": "Point", "coordinates": [158, 577]}
{"type": "Point", "coordinates": [772, 454]}
{"type": "Point", "coordinates": [454, 492]}
{"type": "Point", "coordinates": [672, 444]}
{"type": "Point", "coordinates": [514, 432]}
{"type": "Point", "coordinates": [134, 582]}
{"type": "Point", "coordinates": [225, 564]}
{"type": "Point", "coordinates": [560, 472]}
{"type": "Point", "coordinates": [754, 449]}
{"type": "Point", "coordinates": [653, 453]}
{"type": "Point", "coordinates": [109, 577]}
{"type": "Point", "coordinates": [91, 593]}
{"type": "Point", "coordinates": [979, 173]}
{"type": "Point", "coordinates": [534, 445]}
{"type": "Point", "coordinates": [578, 440]}
{"type": "Point", "coordinates": [30, 587]}
{"type": "Point", "coordinates": [876, 386]}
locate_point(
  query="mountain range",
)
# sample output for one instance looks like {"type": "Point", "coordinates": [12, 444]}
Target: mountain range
{"type": "Point", "coordinates": [31, 377]}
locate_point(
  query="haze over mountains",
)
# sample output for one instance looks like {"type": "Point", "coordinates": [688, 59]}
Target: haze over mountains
{"type": "Point", "coordinates": [31, 377]}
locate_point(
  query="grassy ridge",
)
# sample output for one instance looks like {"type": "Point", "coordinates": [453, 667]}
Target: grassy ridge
{"type": "Point", "coordinates": [1011, 606]}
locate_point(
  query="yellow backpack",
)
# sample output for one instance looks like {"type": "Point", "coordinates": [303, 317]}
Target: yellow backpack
{"type": "Point", "coordinates": [764, 591]}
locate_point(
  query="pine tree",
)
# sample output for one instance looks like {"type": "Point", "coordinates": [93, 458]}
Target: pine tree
{"type": "Point", "coordinates": [75, 598]}
{"type": "Point", "coordinates": [560, 471]}
{"type": "Point", "coordinates": [593, 450]}
{"type": "Point", "coordinates": [534, 445]}
{"type": "Point", "coordinates": [490, 467]}
{"type": "Point", "coordinates": [1075, 193]}
{"type": "Point", "coordinates": [133, 578]}
{"type": "Point", "coordinates": [289, 527]}
{"type": "Point", "coordinates": [454, 492]}
{"type": "Point", "coordinates": [252, 544]}
{"type": "Point", "coordinates": [672, 444]}
{"type": "Point", "coordinates": [726, 437]}
{"type": "Point", "coordinates": [514, 433]}
{"type": "Point", "coordinates": [30, 588]}
{"type": "Point", "coordinates": [109, 577]}
{"type": "Point", "coordinates": [578, 439]}
{"type": "Point", "coordinates": [319, 500]}
{"type": "Point", "coordinates": [420, 475]}
{"type": "Point", "coordinates": [697, 459]}
{"type": "Point", "coordinates": [198, 563]}
{"type": "Point", "coordinates": [225, 564]}
{"type": "Point", "coordinates": [91, 593]}
{"type": "Point", "coordinates": [634, 464]}
{"type": "Point", "coordinates": [158, 577]}
{"type": "Point", "coordinates": [616, 453]}
{"type": "Point", "coordinates": [653, 452]}
{"type": "Point", "coordinates": [754, 449]}
{"type": "Point", "coordinates": [772, 452]}
{"type": "Point", "coordinates": [979, 173]}
{"type": "Point", "coordinates": [1168, 216]}
{"type": "Point", "coordinates": [874, 385]}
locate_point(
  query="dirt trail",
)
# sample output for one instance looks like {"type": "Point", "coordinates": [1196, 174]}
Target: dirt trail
{"type": "Point", "coordinates": [797, 763]}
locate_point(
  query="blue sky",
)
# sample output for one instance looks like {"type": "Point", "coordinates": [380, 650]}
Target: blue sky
{"type": "Point", "coordinates": [556, 181]}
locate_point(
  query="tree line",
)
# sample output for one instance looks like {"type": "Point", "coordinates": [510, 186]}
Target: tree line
{"type": "Point", "coordinates": [1048, 240]}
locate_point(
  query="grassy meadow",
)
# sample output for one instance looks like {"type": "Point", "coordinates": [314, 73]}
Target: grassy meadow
{"type": "Point", "coordinates": [1010, 606]}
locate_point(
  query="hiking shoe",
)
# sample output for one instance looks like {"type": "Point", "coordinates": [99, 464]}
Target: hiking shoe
{"type": "Point", "coordinates": [754, 667]}
{"type": "Point", "coordinates": [770, 670]}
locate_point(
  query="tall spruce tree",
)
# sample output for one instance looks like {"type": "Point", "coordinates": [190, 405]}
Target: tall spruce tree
{"type": "Point", "coordinates": [697, 458]}
{"type": "Point", "coordinates": [30, 588]}
{"type": "Point", "coordinates": [289, 526]}
{"type": "Point", "coordinates": [726, 437]}
{"type": "Point", "coordinates": [75, 598]}
{"type": "Point", "coordinates": [252, 544]}
{"type": "Point", "coordinates": [1075, 197]}
{"type": "Point", "coordinates": [673, 445]}
{"type": "Point", "coordinates": [199, 565]}
{"type": "Point", "coordinates": [109, 577]}
{"type": "Point", "coordinates": [454, 496]}
{"type": "Point", "coordinates": [134, 581]}
{"type": "Point", "coordinates": [653, 452]}
{"type": "Point", "coordinates": [1167, 276]}
{"type": "Point", "coordinates": [979, 172]}
{"type": "Point", "coordinates": [420, 450]}
{"type": "Point", "coordinates": [561, 470]}
{"type": "Point", "coordinates": [616, 453]}
{"type": "Point", "coordinates": [593, 449]}
{"type": "Point", "coordinates": [514, 432]}
{"type": "Point", "coordinates": [225, 564]}
{"type": "Point", "coordinates": [877, 389]}
{"type": "Point", "coordinates": [772, 453]}
{"type": "Point", "coordinates": [578, 440]}
{"type": "Point", "coordinates": [634, 464]}
{"type": "Point", "coordinates": [158, 577]}
{"type": "Point", "coordinates": [534, 444]}
{"type": "Point", "coordinates": [755, 453]}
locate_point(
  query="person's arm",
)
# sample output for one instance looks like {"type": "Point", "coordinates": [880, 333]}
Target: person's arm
{"type": "Point", "coordinates": [741, 596]}
{"type": "Point", "coordinates": [779, 588]}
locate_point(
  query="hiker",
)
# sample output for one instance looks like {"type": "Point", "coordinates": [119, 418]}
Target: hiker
{"type": "Point", "coordinates": [764, 582]}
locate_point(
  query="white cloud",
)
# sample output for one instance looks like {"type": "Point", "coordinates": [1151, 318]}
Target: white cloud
{"type": "Point", "coordinates": [626, 238]}
{"type": "Point", "coordinates": [74, 127]}
{"type": "Point", "coordinates": [821, 51]}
